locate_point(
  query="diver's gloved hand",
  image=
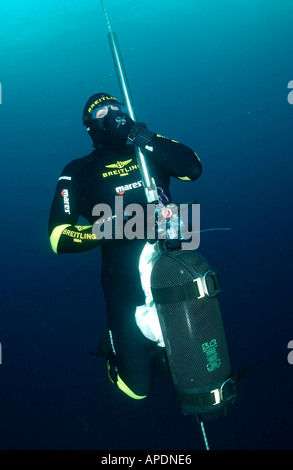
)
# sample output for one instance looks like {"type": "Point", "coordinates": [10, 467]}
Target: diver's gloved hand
{"type": "Point", "coordinates": [122, 126]}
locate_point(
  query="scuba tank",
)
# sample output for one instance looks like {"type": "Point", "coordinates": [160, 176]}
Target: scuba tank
{"type": "Point", "coordinates": [184, 289]}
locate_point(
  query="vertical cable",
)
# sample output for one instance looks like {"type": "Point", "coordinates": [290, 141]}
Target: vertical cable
{"type": "Point", "coordinates": [106, 16]}
{"type": "Point", "coordinates": [204, 436]}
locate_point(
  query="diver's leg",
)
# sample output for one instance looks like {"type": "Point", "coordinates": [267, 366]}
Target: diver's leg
{"type": "Point", "coordinates": [132, 362]}
{"type": "Point", "coordinates": [132, 355]}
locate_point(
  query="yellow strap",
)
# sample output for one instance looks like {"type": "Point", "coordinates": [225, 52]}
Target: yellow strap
{"type": "Point", "coordinates": [123, 387]}
{"type": "Point", "coordinates": [167, 138]}
{"type": "Point", "coordinates": [184, 178]}
{"type": "Point", "coordinates": [55, 236]}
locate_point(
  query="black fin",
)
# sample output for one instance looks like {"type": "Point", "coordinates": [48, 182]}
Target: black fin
{"type": "Point", "coordinates": [245, 371]}
{"type": "Point", "coordinates": [104, 348]}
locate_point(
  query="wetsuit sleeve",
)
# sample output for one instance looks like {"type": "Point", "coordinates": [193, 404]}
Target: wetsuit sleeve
{"type": "Point", "coordinates": [65, 235]}
{"type": "Point", "coordinates": [176, 159]}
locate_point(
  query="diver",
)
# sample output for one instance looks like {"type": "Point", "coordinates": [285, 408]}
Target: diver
{"type": "Point", "coordinates": [111, 170]}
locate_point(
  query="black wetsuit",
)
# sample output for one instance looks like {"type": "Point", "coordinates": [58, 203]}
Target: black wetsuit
{"type": "Point", "coordinates": [98, 178]}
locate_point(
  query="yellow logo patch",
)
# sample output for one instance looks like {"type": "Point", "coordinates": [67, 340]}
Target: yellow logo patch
{"type": "Point", "coordinates": [118, 164]}
{"type": "Point", "coordinates": [120, 168]}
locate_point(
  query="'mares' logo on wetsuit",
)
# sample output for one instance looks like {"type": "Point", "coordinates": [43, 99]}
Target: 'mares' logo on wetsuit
{"type": "Point", "coordinates": [121, 189]}
{"type": "Point", "coordinates": [65, 195]}
{"type": "Point", "coordinates": [120, 168]}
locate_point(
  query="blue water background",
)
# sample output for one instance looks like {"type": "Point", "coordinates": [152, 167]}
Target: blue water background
{"type": "Point", "coordinates": [214, 76]}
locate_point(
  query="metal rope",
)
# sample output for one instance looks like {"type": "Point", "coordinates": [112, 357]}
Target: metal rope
{"type": "Point", "coordinates": [204, 436]}
{"type": "Point", "coordinates": [106, 16]}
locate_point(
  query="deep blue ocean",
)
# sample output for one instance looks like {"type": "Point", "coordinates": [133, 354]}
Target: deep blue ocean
{"type": "Point", "coordinates": [214, 76]}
